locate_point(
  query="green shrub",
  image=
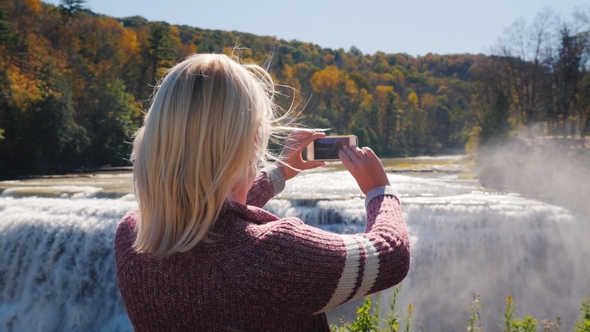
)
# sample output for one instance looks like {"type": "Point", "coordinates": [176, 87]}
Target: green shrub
{"type": "Point", "coordinates": [583, 323]}
{"type": "Point", "coordinates": [368, 320]}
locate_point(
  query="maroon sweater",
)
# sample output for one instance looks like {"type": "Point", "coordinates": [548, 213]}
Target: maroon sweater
{"type": "Point", "coordinates": [262, 273]}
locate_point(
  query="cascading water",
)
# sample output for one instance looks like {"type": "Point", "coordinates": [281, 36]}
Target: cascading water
{"type": "Point", "coordinates": [57, 269]}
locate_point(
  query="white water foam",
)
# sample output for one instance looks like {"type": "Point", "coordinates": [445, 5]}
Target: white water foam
{"type": "Point", "coordinates": [338, 185]}
{"type": "Point", "coordinates": [57, 268]}
{"type": "Point", "coordinates": [55, 191]}
{"type": "Point", "coordinates": [338, 216]}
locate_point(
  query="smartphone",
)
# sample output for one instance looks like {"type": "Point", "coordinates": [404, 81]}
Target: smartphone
{"type": "Point", "coordinates": [327, 148]}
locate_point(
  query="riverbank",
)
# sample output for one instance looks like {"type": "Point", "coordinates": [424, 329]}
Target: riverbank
{"type": "Point", "coordinates": [66, 173]}
{"type": "Point", "coordinates": [454, 164]}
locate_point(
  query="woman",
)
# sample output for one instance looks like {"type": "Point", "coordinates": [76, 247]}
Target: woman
{"type": "Point", "coordinates": [200, 254]}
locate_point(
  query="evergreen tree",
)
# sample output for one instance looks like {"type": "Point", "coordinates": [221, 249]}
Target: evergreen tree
{"type": "Point", "coordinates": [5, 27]}
{"type": "Point", "coordinates": [70, 7]}
{"type": "Point", "coordinates": [161, 48]}
{"type": "Point", "coordinates": [113, 126]}
{"type": "Point", "coordinates": [495, 125]}
{"type": "Point", "coordinates": [57, 140]}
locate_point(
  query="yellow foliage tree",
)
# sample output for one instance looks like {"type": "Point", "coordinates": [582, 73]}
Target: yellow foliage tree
{"type": "Point", "coordinates": [413, 100]}
{"type": "Point", "coordinates": [366, 99]}
{"type": "Point", "coordinates": [326, 80]}
{"type": "Point", "coordinates": [351, 88]}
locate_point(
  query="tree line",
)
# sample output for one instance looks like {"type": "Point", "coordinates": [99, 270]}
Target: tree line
{"type": "Point", "coordinates": [538, 78]}
{"type": "Point", "coordinates": [73, 85]}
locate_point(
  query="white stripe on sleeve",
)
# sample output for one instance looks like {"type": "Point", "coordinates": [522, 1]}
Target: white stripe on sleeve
{"type": "Point", "coordinates": [349, 274]}
{"type": "Point", "coordinates": [371, 270]}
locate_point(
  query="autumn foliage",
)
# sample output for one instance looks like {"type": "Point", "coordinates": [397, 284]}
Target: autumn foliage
{"type": "Point", "coordinates": [73, 85]}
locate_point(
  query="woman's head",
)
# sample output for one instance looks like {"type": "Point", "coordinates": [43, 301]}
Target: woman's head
{"type": "Point", "coordinates": [206, 131]}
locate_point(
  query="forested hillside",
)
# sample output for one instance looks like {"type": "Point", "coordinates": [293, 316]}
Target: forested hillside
{"type": "Point", "coordinates": [73, 85]}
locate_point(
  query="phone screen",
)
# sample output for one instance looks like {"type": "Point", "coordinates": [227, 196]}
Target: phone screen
{"type": "Point", "coordinates": [328, 148]}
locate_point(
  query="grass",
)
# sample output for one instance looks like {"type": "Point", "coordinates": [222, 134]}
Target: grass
{"type": "Point", "coordinates": [368, 318]}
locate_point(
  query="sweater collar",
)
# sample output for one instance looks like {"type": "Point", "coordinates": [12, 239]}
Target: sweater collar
{"type": "Point", "coordinates": [248, 213]}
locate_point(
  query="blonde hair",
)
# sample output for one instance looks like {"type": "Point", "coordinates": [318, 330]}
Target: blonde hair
{"type": "Point", "coordinates": [208, 126]}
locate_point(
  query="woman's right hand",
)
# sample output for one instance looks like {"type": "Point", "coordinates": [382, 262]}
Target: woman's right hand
{"type": "Point", "coordinates": [365, 167]}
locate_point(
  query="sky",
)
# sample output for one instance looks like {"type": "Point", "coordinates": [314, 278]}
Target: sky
{"type": "Point", "coordinates": [392, 26]}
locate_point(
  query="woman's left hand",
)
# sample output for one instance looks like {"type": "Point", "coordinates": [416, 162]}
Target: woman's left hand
{"type": "Point", "coordinates": [290, 160]}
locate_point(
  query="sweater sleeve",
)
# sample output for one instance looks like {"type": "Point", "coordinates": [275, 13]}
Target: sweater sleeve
{"type": "Point", "coordinates": [309, 271]}
{"type": "Point", "coordinates": [269, 182]}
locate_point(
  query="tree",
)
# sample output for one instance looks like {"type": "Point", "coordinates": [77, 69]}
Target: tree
{"type": "Point", "coordinates": [492, 105]}
{"type": "Point", "coordinates": [71, 7]}
{"type": "Point", "coordinates": [5, 37]}
{"type": "Point", "coordinates": [415, 129]}
{"type": "Point", "coordinates": [58, 139]}
{"type": "Point", "coordinates": [326, 81]}
{"type": "Point", "coordinates": [112, 125]}
{"type": "Point", "coordinates": [5, 27]}
{"type": "Point", "coordinates": [523, 54]}
{"type": "Point", "coordinates": [566, 78]}
{"type": "Point", "coordinates": [158, 54]}
{"type": "Point", "coordinates": [582, 102]}
{"type": "Point", "coordinates": [42, 134]}
{"type": "Point", "coordinates": [388, 110]}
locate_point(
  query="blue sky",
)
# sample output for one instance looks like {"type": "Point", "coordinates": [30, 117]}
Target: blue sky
{"type": "Point", "coordinates": [414, 27]}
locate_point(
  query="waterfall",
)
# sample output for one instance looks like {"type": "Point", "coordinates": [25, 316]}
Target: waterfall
{"type": "Point", "coordinates": [57, 268]}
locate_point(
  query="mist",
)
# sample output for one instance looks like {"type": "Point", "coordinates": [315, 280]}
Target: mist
{"type": "Point", "coordinates": [554, 171]}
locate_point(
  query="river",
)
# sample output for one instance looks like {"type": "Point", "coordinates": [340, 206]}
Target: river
{"type": "Point", "coordinates": [57, 267]}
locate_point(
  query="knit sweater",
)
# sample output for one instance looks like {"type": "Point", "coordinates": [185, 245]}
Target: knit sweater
{"type": "Point", "coordinates": [261, 273]}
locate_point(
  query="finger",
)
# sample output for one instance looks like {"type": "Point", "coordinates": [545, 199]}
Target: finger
{"type": "Point", "coordinates": [354, 159]}
{"type": "Point", "coordinates": [359, 152]}
{"type": "Point", "coordinates": [345, 159]}
{"type": "Point", "coordinates": [319, 134]}
{"type": "Point", "coordinates": [300, 134]}
{"type": "Point", "coordinates": [370, 154]}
